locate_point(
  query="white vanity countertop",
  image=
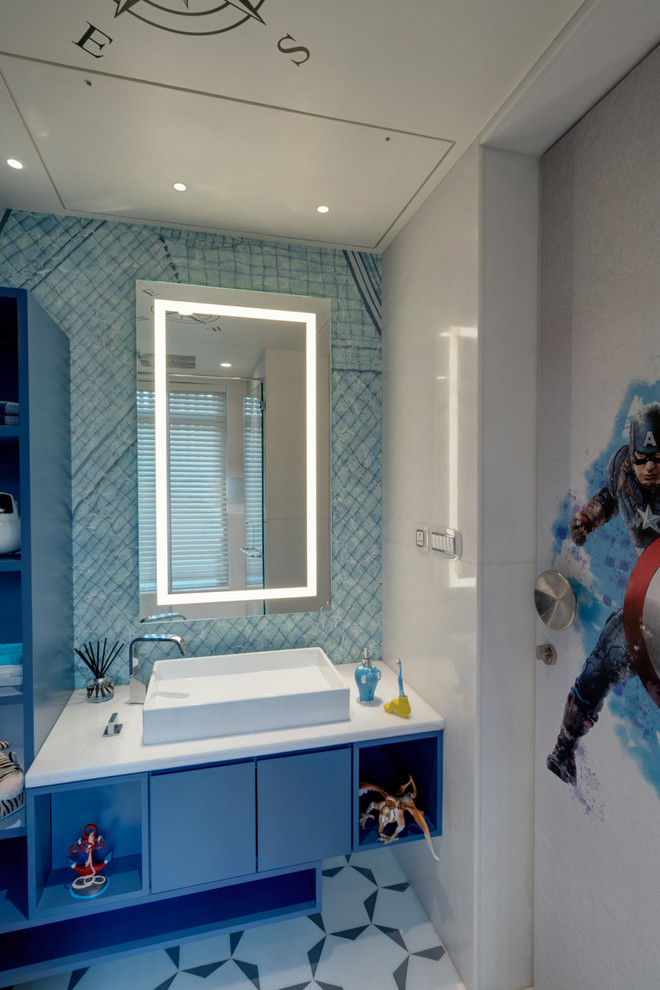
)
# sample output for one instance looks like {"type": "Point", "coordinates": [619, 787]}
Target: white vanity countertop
{"type": "Point", "coordinates": [77, 748]}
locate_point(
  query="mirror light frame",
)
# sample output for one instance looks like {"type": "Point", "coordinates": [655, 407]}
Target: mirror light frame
{"type": "Point", "coordinates": [164, 596]}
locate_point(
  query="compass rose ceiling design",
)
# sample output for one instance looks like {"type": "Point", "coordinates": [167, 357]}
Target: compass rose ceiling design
{"type": "Point", "coordinates": [265, 110]}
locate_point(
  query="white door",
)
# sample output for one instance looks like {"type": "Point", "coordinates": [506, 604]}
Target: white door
{"type": "Point", "coordinates": [597, 875]}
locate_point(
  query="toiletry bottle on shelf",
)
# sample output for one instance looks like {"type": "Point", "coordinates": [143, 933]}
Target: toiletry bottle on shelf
{"type": "Point", "coordinates": [366, 676]}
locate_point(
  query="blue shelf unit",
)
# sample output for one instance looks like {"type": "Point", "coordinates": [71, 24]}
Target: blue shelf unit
{"type": "Point", "coordinates": [195, 850]}
{"type": "Point", "coordinates": [36, 584]}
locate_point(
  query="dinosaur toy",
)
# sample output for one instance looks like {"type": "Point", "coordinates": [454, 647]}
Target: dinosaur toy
{"type": "Point", "coordinates": [392, 809]}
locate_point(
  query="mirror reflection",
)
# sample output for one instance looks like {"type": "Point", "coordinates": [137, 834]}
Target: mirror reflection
{"type": "Point", "coordinates": [233, 451]}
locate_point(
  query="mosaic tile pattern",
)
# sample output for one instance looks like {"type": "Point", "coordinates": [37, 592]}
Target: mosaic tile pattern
{"type": "Point", "coordinates": [372, 934]}
{"type": "Point", "coordinates": [83, 272]}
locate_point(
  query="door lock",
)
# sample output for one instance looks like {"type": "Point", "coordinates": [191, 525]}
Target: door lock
{"type": "Point", "coordinates": [547, 654]}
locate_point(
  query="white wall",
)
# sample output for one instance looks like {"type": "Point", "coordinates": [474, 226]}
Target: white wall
{"type": "Point", "coordinates": [429, 278]}
{"type": "Point", "coordinates": [459, 423]}
{"type": "Point", "coordinates": [508, 333]}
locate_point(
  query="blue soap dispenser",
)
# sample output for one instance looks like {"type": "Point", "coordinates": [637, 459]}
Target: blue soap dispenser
{"type": "Point", "coordinates": [366, 677]}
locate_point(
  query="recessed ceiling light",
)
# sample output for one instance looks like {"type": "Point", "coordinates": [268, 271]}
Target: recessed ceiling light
{"type": "Point", "coordinates": [14, 163]}
{"type": "Point", "coordinates": [179, 186]}
{"type": "Point", "coordinates": [225, 364]}
{"type": "Point", "coordinates": [322, 209]}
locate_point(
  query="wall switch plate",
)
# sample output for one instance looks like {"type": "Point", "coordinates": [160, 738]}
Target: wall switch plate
{"type": "Point", "coordinates": [448, 542]}
{"type": "Point", "coordinates": [422, 537]}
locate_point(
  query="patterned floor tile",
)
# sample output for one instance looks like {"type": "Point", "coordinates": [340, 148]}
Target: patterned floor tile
{"type": "Point", "coordinates": [366, 961]}
{"type": "Point", "coordinates": [420, 937]}
{"type": "Point", "coordinates": [281, 951]}
{"type": "Point", "coordinates": [205, 951]}
{"type": "Point", "coordinates": [384, 868]}
{"type": "Point", "coordinates": [344, 897]}
{"type": "Point", "coordinates": [372, 934]}
{"type": "Point", "coordinates": [227, 975]}
{"type": "Point", "coordinates": [398, 907]}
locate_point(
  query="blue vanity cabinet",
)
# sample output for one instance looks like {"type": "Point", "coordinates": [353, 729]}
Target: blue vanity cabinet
{"type": "Point", "coordinates": [197, 850]}
{"type": "Point", "coordinates": [303, 807]}
{"type": "Point", "coordinates": [211, 824]}
{"type": "Point", "coordinates": [202, 825]}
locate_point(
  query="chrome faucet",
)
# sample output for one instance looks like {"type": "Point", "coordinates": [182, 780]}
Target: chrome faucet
{"type": "Point", "coordinates": [138, 689]}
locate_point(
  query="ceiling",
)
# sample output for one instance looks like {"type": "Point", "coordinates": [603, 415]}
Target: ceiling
{"type": "Point", "coordinates": [265, 110]}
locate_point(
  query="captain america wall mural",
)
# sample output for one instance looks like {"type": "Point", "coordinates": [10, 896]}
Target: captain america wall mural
{"type": "Point", "coordinates": [615, 535]}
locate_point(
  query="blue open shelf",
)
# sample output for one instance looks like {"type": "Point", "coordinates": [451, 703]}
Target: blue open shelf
{"type": "Point", "coordinates": [388, 763]}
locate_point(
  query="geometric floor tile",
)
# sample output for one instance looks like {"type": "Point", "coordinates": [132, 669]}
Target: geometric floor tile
{"type": "Point", "coordinates": [371, 934]}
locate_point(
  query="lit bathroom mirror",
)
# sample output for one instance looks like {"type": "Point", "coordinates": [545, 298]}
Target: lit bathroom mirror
{"type": "Point", "coordinates": [233, 399]}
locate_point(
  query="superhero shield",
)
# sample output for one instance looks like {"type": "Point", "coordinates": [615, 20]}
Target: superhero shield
{"type": "Point", "coordinates": [641, 619]}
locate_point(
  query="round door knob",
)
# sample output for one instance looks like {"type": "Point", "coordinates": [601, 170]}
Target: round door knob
{"type": "Point", "coordinates": [554, 600]}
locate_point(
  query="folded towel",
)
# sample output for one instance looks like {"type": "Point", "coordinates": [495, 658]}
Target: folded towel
{"type": "Point", "coordinates": [8, 408]}
{"type": "Point", "coordinates": [10, 653]}
{"type": "Point", "coordinates": [11, 676]}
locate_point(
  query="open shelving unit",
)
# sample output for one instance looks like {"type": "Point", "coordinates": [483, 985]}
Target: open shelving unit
{"type": "Point", "coordinates": [119, 810]}
{"type": "Point", "coordinates": [388, 763]}
{"type": "Point", "coordinates": [35, 584]}
{"type": "Point", "coordinates": [11, 629]}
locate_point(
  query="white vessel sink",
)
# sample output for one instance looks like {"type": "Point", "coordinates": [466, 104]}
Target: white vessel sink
{"type": "Point", "coordinates": [196, 697]}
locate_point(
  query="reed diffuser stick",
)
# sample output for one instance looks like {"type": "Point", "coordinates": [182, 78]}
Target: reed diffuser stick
{"type": "Point", "coordinates": [99, 660]}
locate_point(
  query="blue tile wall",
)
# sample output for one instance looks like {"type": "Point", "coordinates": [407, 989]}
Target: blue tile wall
{"type": "Point", "coordinates": [83, 273]}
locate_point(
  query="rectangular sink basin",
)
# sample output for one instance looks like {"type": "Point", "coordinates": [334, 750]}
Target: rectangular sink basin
{"type": "Point", "coordinates": [199, 697]}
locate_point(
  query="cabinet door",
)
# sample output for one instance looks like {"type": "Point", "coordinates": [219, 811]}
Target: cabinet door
{"type": "Point", "coordinates": [303, 808]}
{"type": "Point", "coordinates": [202, 825]}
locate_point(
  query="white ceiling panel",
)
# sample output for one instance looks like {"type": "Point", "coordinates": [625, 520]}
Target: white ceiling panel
{"type": "Point", "coordinates": [265, 108]}
{"type": "Point", "coordinates": [30, 188]}
{"type": "Point", "coordinates": [246, 167]}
